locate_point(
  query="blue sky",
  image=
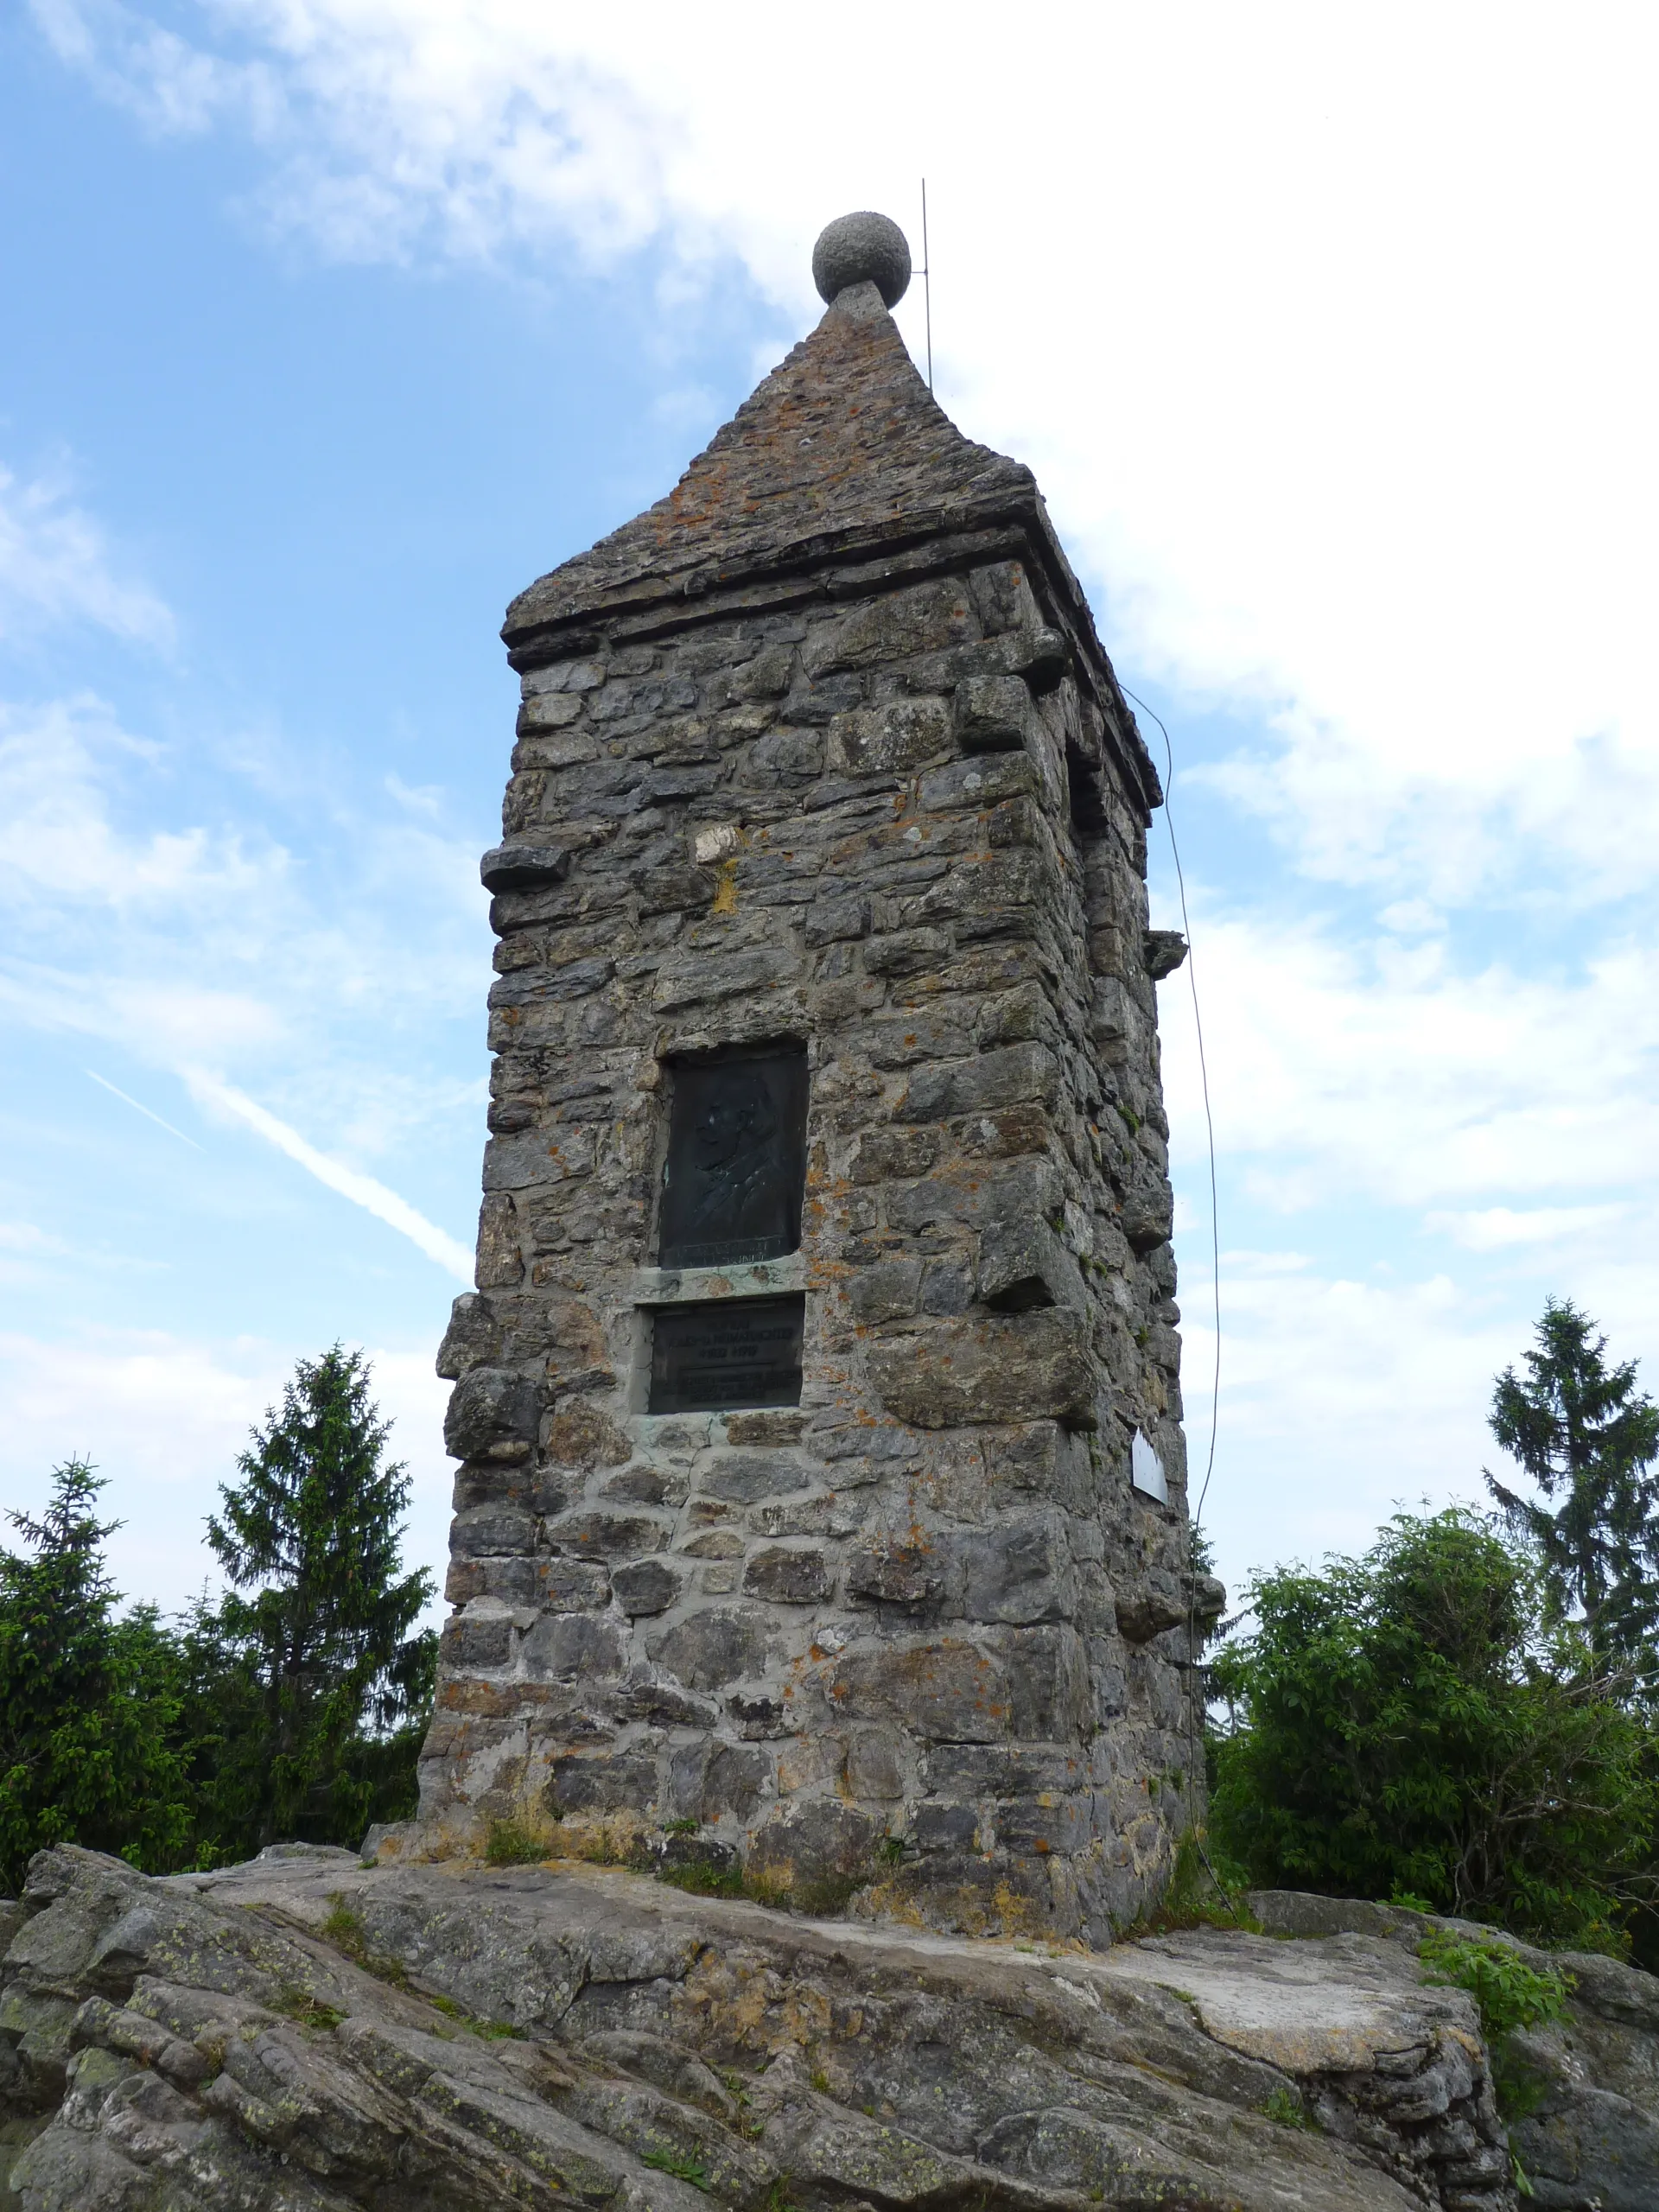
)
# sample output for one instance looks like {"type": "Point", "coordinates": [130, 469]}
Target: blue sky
{"type": "Point", "coordinates": [324, 328]}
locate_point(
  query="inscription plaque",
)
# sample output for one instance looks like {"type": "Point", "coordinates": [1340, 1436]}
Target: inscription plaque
{"type": "Point", "coordinates": [738, 1352]}
{"type": "Point", "coordinates": [736, 1161]}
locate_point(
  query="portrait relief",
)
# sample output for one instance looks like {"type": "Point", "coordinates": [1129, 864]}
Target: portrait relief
{"type": "Point", "coordinates": [736, 1169]}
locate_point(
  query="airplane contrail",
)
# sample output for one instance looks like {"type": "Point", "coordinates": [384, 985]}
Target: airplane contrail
{"type": "Point", "coordinates": [362, 1190]}
{"type": "Point", "coordinates": [144, 1110]}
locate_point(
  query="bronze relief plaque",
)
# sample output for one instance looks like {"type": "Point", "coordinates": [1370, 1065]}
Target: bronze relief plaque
{"type": "Point", "coordinates": [736, 1163]}
{"type": "Point", "coordinates": [737, 1351]}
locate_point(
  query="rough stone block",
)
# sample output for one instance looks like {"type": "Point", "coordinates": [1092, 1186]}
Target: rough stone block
{"type": "Point", "coordinates": [500, 1261]}
{"type": "Point", "coordinates": [874, 1764]}
{"type": "Point", "coordinates": [905, 952]}
{"type": "Point", "coordinates": [575, 1647]}
{"type": "Point", "coordinates": [836, 920]}
{"type": "Point", "coordinates": [644, 1586]}
{"type": "Point", "coordinates": [760, 1715]}
{"type": "Point", "coordinates": [742, 1478]}
{"type": "Point", "coordinates": [486, 1531]}
{"type": "Point", "coordinates": [811, 1854]}
{"type": "Point", "coordinates": [894, 738]}
{"type": "Point", "coordinates": [1017, 1367]}
{"type": "Point", "coordinates": [908, 1573]}
{"type": "Point", "coordinates": [887, 1290]}
{"type": "Point", "coordinates": [708, 1650]}
{"type": "Point", "coordinates": [1150, 1604]}
{"type": "Point", "coordinates": [787, 757]}
{"type": "Point", "coordinates": [1047, 1674]}
{"type": "Point", "coordinates": [707, 1779]}
{"type": "Point", "coordinates": [1003, 595]}
{"type": "Point", "coordinates": [570, 1586]}
{"type": "Point", "coordinates": [895, 626]}
{"type": "Point", "coordinates": [490, 1406]}
{"type": "Point", "coordinates": [1022, 1264]}
{"type": "Point", "coordinates": [597, 1535]}
{"type": "Point", "coordinates": [514, 1581]}
{"type": "Point", "coordinates": [992, 714]}
{"type": "Point", "coordinates": [580, 1435]}
{"type": "Point", "coordinates": [978, 783]}
{"type": "Point", "coordinates": [1028, 1824]}
{"type": "Point", "coordinates": [468, 1642]}
{"type": "Point", "coordinates": [946, 1690]}
{"type": "Point", "coordinates": [704, 977]}
{"type": "Point", "coordinates": [1021, 1573]}
{"type": "Point", "coordinates": [1004, 1077]}
{"type": "Point", "coordinates": [473, 1337]}
{"type": "Point", "coordinates": [788, 1577]}
{"type": "Point", "coordinates": [769, 1425]}
{"type": "Point", "coordinates": [602, 1782]}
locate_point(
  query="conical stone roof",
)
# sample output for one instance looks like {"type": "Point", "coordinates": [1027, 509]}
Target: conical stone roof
{"type": "Point", "coordinates": [841, 449]}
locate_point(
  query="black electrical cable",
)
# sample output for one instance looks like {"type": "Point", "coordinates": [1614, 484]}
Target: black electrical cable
{"type": "Point", "coordinates": [1197, 1700]}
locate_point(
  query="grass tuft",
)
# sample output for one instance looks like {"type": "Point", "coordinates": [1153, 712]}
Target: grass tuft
{"type": "Point", "coordinates": [310, 2011]}
{"type": "Point", "coordinates": [510, 1843]}
{"type": "Point", "coordinates": [704, 1877]}
{"type": "Point", "coordinates": [682, 2167]}
{"type": "Point", "coordinates": [343, 1928]}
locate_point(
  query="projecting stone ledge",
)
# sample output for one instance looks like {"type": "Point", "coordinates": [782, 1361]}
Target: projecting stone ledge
{"type": "Point", "coordinates": [307, 2034]}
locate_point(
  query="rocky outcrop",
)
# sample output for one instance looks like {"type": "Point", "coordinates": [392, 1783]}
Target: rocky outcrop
{"type": "Point", "coordinates": [307, 2034]}
{"type": "Point", "coordinates": [1584, 2126]}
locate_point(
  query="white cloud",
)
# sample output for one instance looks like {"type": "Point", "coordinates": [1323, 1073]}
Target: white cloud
{"type": "Point", "coordinates": [60, 845]}
{"type": "Point", "coordinates": [54, 569]}
{"type": "Point", "coordinates": [1495, 1228]}
{"type": "Point", "coordinates": [1343, 1399]}
{"type": "Point", "coordinates": [1340, 1400]}
{"type": "Point", "coordinates": [1340, 1070]}
{"type": "Point", "coordinates": [213, 943]}
{"type": "Point", "coordinates": [24, 1237]}
{"type": "Point", "coordinates": [1319, 325]}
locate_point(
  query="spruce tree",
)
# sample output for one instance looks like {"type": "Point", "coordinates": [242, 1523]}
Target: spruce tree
{"type": "Point", "coordinates": [87, 1700]}
{"type": "Point", "coordinates": [323, 1649]}
{"type": "Point", "coordinates": [1588, 1440]}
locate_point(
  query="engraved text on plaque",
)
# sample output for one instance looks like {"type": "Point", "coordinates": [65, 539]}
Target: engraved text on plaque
{"type": "Point", "coordinates": [740, 1351]}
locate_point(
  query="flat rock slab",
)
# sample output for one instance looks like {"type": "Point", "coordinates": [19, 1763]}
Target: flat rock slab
{"type": "Point", "coordinates": [1341, 2005]}
{"type": "Point", "coordinates": [306, 2034]}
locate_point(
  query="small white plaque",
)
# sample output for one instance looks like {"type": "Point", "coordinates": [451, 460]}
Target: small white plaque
{"type": "Point", "coordinates": [1147, 1469]}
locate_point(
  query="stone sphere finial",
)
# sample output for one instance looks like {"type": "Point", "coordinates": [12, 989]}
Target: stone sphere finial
{"type": "Point", "coordinates": [860, 249]}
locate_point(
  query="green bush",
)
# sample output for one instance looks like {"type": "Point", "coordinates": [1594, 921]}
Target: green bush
{"type": "Point", "coordinates": [1402, 1723]}
{"type": "Point", "coordinates": [1509, 1993]}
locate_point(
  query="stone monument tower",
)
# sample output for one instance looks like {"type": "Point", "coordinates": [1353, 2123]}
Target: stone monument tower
{"type": "Point", "coordinates": [821, 1516]}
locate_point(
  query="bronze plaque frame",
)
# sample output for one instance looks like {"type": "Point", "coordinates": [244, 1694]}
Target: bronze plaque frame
{"type": "Point", "coordinates": [735, 1171]}
{"type": "Point", "coordinates": [715, 1356]}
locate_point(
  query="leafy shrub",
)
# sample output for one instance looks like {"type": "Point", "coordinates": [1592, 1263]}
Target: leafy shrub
{"type": "Point", "coordinates": [1509, 1993]}
{"type": "Point", "coordinates": [1287, 2109]}
{"type": "Point", "coordinates": [1402, 1725]}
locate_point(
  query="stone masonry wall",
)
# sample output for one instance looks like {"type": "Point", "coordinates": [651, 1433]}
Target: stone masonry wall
{"type": "Point", "coordinates": [921, 1635]}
